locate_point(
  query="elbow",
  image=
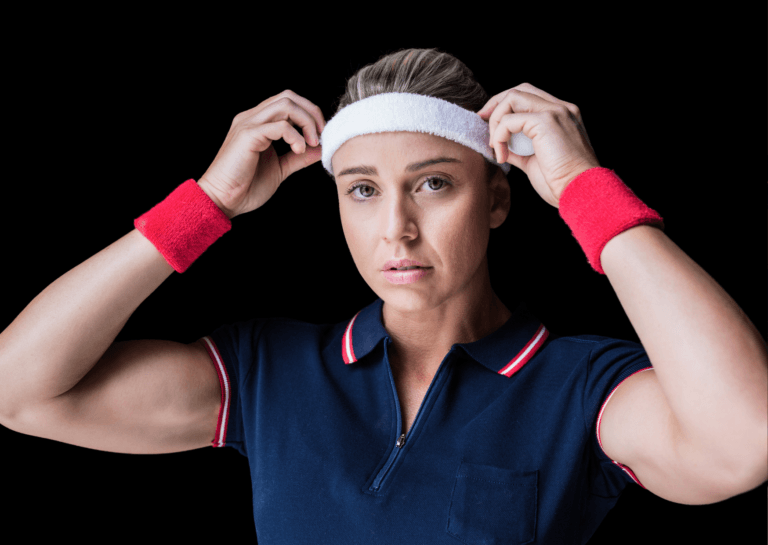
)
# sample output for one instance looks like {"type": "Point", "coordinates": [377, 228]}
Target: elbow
{"type": "Point", "coordinates": [752, 470]}
{"type": "Point", "coordinates": [759, 471]}
{"type": "Point", "coordinates": [756, 476]}
{"type": "Point", "coordinates": [750, 446]}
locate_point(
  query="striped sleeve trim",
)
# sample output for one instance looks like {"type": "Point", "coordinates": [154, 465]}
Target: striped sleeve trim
{"type": "Point", "coordinates": [527, 352]}
{"type": "Point", "coordinates": [600, 418]}
{"type": "Point", "coordinates": [221, 425]}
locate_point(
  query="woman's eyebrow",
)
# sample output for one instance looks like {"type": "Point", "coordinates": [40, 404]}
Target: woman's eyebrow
{"type": "Point", "coordinates": [366, 170]}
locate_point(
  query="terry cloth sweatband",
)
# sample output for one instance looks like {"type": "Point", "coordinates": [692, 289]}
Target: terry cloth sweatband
{"type": "Point", "coordinates": [183, 225]}
{"type": "Point", "coordinates": [597, 206]}
{"type": "Point", "coordinates": [392, 112]}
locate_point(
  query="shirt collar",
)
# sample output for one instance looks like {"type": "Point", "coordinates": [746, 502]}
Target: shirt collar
{"type": "Point", "coordinates": [504, 351]}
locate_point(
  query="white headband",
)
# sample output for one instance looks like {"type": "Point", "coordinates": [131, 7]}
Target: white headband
{"type": "Point", "coordinates": [389, 112]}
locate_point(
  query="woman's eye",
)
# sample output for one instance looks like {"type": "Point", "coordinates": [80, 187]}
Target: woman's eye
{"type": "Point", "coordinates": [439, 182]}
{"type": "Point", "coordinates": [365, 191]}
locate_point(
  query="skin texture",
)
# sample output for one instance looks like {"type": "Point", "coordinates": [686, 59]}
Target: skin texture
{"type": "Point", "coordinates": [443, 225]}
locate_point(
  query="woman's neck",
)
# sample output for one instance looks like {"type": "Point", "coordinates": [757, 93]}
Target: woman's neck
{"type": "Point", "coordinates": [423, 338]}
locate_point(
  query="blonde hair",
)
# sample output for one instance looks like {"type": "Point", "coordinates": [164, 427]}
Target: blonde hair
{"type": "Point", "coordinates": [429, 72]}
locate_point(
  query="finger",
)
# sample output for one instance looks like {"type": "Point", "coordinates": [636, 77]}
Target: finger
{"type": "Point", "coordinates": [511, 124]}
{"type": "Point", "coordinates": [291, 161]}
{"type": "Point", "coordinates": [274, 108]}
{"type": "Point", "coordinates": [286, 109]}
{"type": "Point", "coordinates": [309, 106]}
{"type": "Point", "coordinates": [264, 134]}
{"type": "Point", "coordinates": [528, 88]}
{"type": "Point", "coordinates": [487, 110]}
{"type": "Point", "coordinates": [517, 101]}
{"type": "Point", "coordinates": [531, 89]}
{"type": "Point", "coordinates": [313, 110]}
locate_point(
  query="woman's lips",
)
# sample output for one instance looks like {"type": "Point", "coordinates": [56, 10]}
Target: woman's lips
{"type": "Point", "coordinates": [406, 277]}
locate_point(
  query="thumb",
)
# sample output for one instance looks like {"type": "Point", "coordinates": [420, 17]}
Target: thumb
{"type": "Point", "coordinates": [292, 161]}
{"type": "Point", "coordinates": [514, 159]}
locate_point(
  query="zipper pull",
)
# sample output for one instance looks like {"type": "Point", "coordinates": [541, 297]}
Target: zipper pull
{"type": "Point", "coordinates": [400, 441]}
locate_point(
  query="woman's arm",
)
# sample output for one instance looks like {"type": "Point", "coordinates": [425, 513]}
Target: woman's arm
{"type": "Point", "coordinates": [695, 430]}
{"type": "Point", "coordinates": [56, 340]}
{"type": "Point", "coordinates": [157, 391]}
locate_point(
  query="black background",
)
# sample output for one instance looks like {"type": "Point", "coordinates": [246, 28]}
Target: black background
{"type": "Point", "coordinates": [106, 120]}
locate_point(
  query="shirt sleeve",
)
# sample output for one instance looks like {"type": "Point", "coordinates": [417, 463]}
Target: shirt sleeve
{"type": "Point", "coordinates": [232, 349]}
{"type": "Point", "coordinates": [611, 362]}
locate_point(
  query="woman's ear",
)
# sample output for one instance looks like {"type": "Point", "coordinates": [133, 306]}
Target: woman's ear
{"type": "Point", "coordinates": [500, 198]}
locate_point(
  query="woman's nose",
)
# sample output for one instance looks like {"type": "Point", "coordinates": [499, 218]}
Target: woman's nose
{"type": "Point", "coordinates": [399, 219]}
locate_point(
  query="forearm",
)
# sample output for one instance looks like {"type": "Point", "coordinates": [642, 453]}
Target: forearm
{"type": "Point", "coordinates": [66, 329]}
{"type": "Point", "coordinates": [709, 358]}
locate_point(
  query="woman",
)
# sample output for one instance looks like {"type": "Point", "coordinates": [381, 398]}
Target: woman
{"type": "Point", "coordinates": [451, 304]}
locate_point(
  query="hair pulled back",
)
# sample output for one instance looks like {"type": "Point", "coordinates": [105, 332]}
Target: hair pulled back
{"type": "Point", "coordinates": [428, 72]}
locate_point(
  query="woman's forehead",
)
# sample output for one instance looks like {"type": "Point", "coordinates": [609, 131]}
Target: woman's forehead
{"type": "Point", "coordinates": [398, 150]}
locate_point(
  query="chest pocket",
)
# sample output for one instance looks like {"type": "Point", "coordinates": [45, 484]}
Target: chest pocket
{"type": "Point", "coordinates": [493, 506]}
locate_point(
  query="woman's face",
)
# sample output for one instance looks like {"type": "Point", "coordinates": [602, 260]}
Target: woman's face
{"type": "Point", "coordinates": [438, 215]}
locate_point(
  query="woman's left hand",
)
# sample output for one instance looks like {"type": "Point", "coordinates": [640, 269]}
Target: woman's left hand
{"type": "Point", "coordinates": [561, 146]}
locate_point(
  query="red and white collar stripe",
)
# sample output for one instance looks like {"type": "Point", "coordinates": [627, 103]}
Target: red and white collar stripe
{"type": "Point", "coordinates": [347, 349]}
{"type": "Point", "coordinates": [526, 353]}
{"type": "Point", "coordinates": [515, 364]}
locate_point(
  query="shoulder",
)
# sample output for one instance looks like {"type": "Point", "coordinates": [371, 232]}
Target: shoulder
{"type": "Point", "coordinates": [276, 329]}
{"type": "Point", "coordinates": [596, 349]}
{"type": "Point", "coordinates": [276, 338]}
{"type": "Point", "coordinates": [590, 341]}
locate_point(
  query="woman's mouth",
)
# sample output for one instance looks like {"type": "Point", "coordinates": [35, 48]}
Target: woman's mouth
{"type": "Point", "coordinates": [406, 275]}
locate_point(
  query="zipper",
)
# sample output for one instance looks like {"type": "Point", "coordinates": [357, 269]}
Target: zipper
{"type": "Point", "coordinates": [400, 443]}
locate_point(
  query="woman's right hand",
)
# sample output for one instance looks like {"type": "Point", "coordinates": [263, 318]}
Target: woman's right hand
{"type": "Point", "coordinates": [247, 171]}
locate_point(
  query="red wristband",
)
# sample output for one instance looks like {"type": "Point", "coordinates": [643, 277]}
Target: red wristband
{"type": "Point", "coordinates": [597, 206]}
{"type": "Point", "coordinates": [183, 225]}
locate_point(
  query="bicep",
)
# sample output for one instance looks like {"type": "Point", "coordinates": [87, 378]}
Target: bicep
{"type": "Point", "coordinates": [638, 429]}
{"type": "Point", "coordinates": [142, 397]}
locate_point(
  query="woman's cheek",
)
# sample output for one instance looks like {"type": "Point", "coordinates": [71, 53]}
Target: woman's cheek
{"type": "Point", "coordinates": [361, 245]}
{"type": "Point", "coordinates": [469, 239]}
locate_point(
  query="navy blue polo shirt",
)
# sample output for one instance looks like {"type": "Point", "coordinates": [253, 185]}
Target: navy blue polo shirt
{"type": "Point", "coordinates": [504, 448]}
